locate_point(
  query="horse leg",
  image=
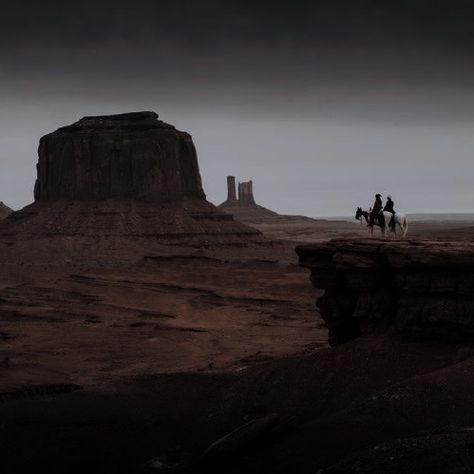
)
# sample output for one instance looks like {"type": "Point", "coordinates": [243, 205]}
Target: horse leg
{"type": "Point", "coordinates": [395, 228]}
{"type": "Point", "coordinates": [404, 228]}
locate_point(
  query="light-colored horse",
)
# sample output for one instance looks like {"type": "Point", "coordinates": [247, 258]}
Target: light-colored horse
{"type": "Point", "coordinates": [399, 219]}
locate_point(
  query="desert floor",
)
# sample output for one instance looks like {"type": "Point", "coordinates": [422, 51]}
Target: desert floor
{"type": "Point", "coordinates": [104, 366]}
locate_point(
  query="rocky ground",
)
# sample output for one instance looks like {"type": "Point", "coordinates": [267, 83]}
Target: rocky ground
{"type": "Point", "coordinates": [163, 314]}
{"type": "Point", "coordinates": [308, 230]}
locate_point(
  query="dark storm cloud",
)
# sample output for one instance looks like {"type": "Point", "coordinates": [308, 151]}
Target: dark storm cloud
{"type": "Point", "coordinates": [339, 57]}
{"type": "Point", "coordinates": [268, 44]}
{"type": "Point", "coordinates": [215, 21]}
{"type": "Point", "coordinates": [254, 43]}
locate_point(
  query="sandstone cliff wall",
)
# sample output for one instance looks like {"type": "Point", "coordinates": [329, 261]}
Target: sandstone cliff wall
{"type": "Point", "coordinates": [420, 289]}
{"type": "Point", "coordinates": [127, 156]}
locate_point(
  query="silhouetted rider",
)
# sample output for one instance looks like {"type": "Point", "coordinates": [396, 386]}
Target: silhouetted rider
{"type": "Point", "coordinates": [376, 209]}
{"type": "Point", "coordinates": [389, 207]}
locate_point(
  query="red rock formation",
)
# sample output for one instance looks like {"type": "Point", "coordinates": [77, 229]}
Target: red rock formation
{"type": "Point", "coordinates": [244, 208]}
{"type": "Point", "coordinates": [422, 289]}
{"type": "Point", "coordinates": [246, 194]}
{"type": "Point", "coordinates": [231, 196]}
{"type": "Point", "coordinates": [128, 156]}
{"type": "Point", "coordinates": [123, 175]}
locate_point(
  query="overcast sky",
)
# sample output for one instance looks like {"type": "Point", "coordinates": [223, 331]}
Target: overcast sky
{"type": "Point", "coordinates": [321, 103]}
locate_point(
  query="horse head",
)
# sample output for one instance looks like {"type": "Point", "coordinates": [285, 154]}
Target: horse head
{"type": "Point", "coordinates": [358, 213]}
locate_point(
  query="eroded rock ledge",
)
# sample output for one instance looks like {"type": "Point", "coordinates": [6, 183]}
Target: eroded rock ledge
{"type": "Point", "coordinates": [423, 289]}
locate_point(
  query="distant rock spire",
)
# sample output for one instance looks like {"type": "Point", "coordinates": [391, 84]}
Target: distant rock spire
{"type": "Point", "coordinates": [243, 207]}
{"type": "Point", "coordinates": [246, 194]}
{"type": "Point", "coordinates": [231, 196]}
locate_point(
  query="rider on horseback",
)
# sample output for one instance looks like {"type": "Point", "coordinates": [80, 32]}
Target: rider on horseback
{"type": "Point", "coordinates": [380, 217]}
{"type": "Point", "coordinates": [376, 209]}
{"type": "Point", "coordinates": [389, 208]}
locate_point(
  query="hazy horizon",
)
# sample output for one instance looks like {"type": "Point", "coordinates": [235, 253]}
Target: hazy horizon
{"type": "Point", "coordinates": [321, 103]}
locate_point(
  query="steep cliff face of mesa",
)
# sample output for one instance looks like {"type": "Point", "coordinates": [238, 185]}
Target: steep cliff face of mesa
{"type": "Point", "coordinates": [420, 289]}
{"type": "Point", "coordinates": [128, 156]}
{"type": "Point", "coordinates": [5, 211]}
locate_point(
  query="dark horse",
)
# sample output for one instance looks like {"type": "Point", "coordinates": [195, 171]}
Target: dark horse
{"type": "Point", "coordinates": [360, 213]}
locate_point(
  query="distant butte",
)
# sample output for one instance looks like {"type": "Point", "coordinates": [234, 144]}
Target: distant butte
{"type": "Point", "coordinates": [123, 175]}
{"type": "Point", "coordinates": [243, 205]}
{"type": "Point", "coordinates": [275, 226]}
{"type": "Point", "coordinates": [127, 156]}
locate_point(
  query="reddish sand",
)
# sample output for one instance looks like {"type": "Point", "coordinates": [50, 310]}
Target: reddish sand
{"type": "Point", "coordinates": [164, 315]}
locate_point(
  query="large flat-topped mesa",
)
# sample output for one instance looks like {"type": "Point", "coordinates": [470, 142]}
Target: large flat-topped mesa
{"type": "Point", "coordinates": [125, 156]}
{"type": "Point", "coordinates": [144, 120]}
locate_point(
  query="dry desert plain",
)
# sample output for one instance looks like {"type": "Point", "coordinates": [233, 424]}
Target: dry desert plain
{"type": "Point", "coordinates": [106, 364]}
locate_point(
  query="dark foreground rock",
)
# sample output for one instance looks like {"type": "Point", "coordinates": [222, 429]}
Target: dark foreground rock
{"type": "Point", "coordinates": [447, 452]}
{"type": "Point", "coordinates": [423, 289]}
{"type": "Point", "coordinates": [343, 401]}
{"type": "Point", "coordinates": [241, 439]}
